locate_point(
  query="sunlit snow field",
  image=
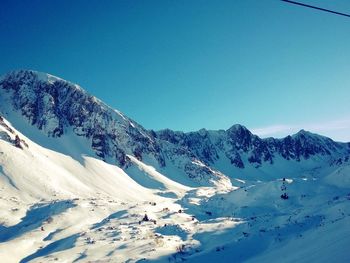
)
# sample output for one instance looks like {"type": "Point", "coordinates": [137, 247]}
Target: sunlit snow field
{"type": "Point", "coordinates": [64, 205]}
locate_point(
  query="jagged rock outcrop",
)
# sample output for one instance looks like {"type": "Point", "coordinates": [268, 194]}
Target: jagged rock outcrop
{"type": "Point", "coordinates": [56, 106]}
{"type": "Point", "coordinates": [243, 148]}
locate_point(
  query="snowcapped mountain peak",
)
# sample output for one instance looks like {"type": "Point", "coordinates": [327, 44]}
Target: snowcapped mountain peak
{"type": "Point", "coordinates": [56, 107]}
{"type": "Point", "coordinates": [237, 128]}
{"type": "Point", "coordinates": [306, 134]}
{"type": "Point", "coordinates": [203, 132]}
{"type": "Point", "coordinates": [302, 131]}
{"type": "Point", "coordinates": [80, 181]}
{"type": "Point", "coordinates": [30, 75]}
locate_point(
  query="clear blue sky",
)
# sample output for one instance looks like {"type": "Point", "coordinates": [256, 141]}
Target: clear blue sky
{"type": "Point", "coordinates": [184, 65]}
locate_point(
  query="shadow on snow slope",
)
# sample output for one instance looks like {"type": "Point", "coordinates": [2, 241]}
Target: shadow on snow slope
{"type": "Point", "coordinates": [118, 214]}
{"type": "Point", "coordinates": [34, 218]}
{"type": "Point", "coordinates": [59, 245]}
{"type": "Point", "coordinates": [2, 173]}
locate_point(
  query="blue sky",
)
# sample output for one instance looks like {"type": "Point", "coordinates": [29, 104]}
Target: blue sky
{"type": "Point", "coordinates": [271, 66]}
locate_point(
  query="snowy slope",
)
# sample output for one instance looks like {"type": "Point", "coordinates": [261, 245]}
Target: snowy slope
{"type": "Point", "coordinates": [32, 101]}
{"type": "Point", "coordinates": [78, 195]}
{"type": "Point", "coordinates": [77, 178]}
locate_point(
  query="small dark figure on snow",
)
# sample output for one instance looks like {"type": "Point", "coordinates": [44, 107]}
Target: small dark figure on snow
{"type": "Point", "coordinates": [145, 218]}
{"type": "Point", "coordinates": [284, 196]}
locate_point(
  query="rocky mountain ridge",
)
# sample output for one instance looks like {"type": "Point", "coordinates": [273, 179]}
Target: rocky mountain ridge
{"type": "Point", "coordinates": [54, 105]}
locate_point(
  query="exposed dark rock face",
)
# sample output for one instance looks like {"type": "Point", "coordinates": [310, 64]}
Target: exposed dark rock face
{"type": "Point", "coordinates": [6, 132]}
{"type": "Point", "coordinates": [238, 144]}
{"type": "Point", "coordinates": [56, 106]}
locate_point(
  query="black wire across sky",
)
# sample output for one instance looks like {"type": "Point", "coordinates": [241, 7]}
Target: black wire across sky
{"type": "Point", "coordinates": [315, 7]}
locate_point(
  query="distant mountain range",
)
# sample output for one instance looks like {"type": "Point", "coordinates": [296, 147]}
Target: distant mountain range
{"type": "Point", "coordinates": [56, 106]}
{"type": "Point", "coordinates": [80, 181]}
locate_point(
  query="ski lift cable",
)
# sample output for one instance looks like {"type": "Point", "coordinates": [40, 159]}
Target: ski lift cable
{"type": "Point", "coordinates": [315, 7]}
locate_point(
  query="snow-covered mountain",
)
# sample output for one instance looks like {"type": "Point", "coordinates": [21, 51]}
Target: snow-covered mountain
{"type": "Point", "coordinates": [77, 178]}
{"type": "Point", "coordinates": [57, 107]}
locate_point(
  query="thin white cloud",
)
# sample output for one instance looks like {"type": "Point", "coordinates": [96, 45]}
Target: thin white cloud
{"type": "Point", "coordinates": [271, 130]}
{"type": "Point", "coordinates": [336, 129]}
{"type": "Point", "coordinates": [330, 125]}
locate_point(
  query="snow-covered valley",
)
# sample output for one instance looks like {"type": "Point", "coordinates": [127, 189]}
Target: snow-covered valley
{"type": "Point", "coordinates": [81, 182]}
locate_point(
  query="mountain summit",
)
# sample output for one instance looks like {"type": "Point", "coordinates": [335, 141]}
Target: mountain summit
{"type": "Point", "coordinates": [82, 182]}
{"type": "Point", "coordinates": [57, 107]}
